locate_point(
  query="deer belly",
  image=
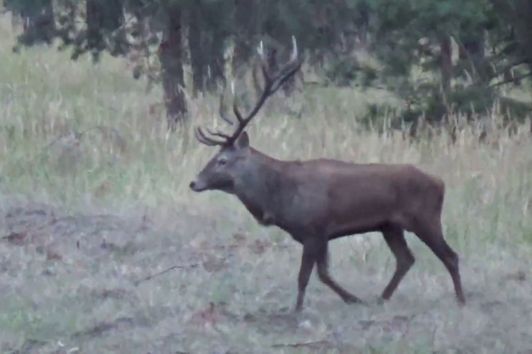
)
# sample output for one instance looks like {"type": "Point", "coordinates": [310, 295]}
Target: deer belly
{"type": "Point", "coordinates": [355, 227]}
{"type": "Point", "coordinates": [358, 219]}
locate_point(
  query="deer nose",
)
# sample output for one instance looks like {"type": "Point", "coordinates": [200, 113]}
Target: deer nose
{"type": "Point", "coordinates": [192, 185]}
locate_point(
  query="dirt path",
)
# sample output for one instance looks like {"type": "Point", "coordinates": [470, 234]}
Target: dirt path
{"type": "Point", "coordinates": [88, 283]}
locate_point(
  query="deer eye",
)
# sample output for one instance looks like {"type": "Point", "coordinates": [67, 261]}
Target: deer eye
{"type": "Point", "coordinates": [222, 161]}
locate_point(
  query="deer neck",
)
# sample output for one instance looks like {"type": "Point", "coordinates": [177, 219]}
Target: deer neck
{"type": "Point", "coordinates": [262, 187]}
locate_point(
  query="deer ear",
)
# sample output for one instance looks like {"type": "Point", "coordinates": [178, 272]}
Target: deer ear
{"type": "Point", "coordinates": [242, 141]}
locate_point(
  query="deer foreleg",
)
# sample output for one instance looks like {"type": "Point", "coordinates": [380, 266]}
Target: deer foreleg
{"type": "Point", "coordinates": [310, 252]}
{"type": "Point", "coordinates": [395, 239]}
{"type": "Point", "coordinates": [323, 273]}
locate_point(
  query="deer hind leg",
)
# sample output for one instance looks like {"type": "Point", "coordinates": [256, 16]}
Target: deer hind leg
{"type": "Point", "coordinates": [323, 274]}
{"type": "Point", "coordinates": [432, 236]}
{"type": "Point", "coordinates": [395, 239]}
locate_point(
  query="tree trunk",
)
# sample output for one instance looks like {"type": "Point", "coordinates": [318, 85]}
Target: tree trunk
{"type": "Point", "coordinates": [472, 49]}
{"type": "Point", "coordinates": [246, 21]}
{"type": "Point", "coordinates": [362, 23]}
{"type": "Point", "coordinates": [523, 26]}
{"type": "Point", "coordinates": [216, 72]}
{"type": "Point", "coordinates": [171, 57]}
{"type": "Point", "coordinates": [95, 13]}
{"type": "Point", "coordinates": [195, 42]}
{"type": "Point", "coordinates": [104, 16]}
{"type": "Point", "coordinates": [38, 23]}
{"type": "Point", "coordinates": [446, 64]}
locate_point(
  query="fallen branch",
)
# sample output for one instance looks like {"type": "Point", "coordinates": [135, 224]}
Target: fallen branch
{"type": "Point", "coordinates": [151, 276]}
{"type": "Point", "coordinates": [302, 344]}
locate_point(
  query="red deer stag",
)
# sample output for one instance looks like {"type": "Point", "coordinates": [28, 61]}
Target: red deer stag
{"type": "Point", "coordinates": [320, 200]}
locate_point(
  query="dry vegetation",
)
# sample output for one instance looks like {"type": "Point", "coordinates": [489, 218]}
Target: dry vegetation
{"type": "Point", "coordinates": [94, 199]}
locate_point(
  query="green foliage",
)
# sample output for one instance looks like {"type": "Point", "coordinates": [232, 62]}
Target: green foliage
{"type": "Point", "coordinates": [438, 56]}
{"type": "Point", "coordinates": [38, 18]}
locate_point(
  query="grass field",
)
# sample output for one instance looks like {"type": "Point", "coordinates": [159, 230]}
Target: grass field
{"type": "Point", "coordinates": [94, 199]}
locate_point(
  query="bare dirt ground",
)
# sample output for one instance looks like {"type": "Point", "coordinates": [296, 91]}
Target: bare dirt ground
{"type": "Point", "coordinates": [96, 283]}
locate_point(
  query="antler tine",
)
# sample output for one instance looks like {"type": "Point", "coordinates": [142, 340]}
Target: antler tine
{"type": "Point", "coordinates": [289, 69]}
{"type": "Point", "coordinates": [218, 133]}
{"type": "Point", "coordinates": [210, 141]}
{"type": "Point", "coordinates": [260, 49]}
{"type": "Point", "coordinates": [222, 113]}
{"type": "Point", "coordinates": [273, 84]}
{"type": "Point", "coordinates": [199, 137]}
{"type": "Point", "coordinates": [204, 139]}
{"type": "Point", "coordinates": [293, 57]}
{"type": "Point", "coordinates": [237, 113]}
{"type": "Point", "coordinates": [286, 74]}
{"type": "Point", "coordinates": [264, 64]}
{"type": "Point", "coordinates": [270, 86]}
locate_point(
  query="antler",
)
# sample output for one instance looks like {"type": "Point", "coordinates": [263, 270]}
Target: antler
{"type": "Point", "coordinates": [271, 85]}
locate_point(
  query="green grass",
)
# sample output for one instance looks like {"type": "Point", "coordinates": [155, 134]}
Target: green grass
{"type": "Point", "coordinates": [127, 164]}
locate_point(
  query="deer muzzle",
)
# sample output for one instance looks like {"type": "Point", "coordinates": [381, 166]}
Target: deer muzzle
{"type": "Point", "coordinates": [197, 186]}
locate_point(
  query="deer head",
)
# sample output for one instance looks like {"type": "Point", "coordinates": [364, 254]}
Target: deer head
{"type": "Point", "coordinates": [229, 163]}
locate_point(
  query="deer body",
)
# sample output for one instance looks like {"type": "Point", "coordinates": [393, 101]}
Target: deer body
{"type": "Point", "coordinates": [316, 201]}
{"type": "Point", "coordinates": [334, 198]}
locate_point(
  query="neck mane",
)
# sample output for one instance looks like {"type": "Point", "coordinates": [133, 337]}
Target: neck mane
{"type": "Point", "coordinates": [263, 186]}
